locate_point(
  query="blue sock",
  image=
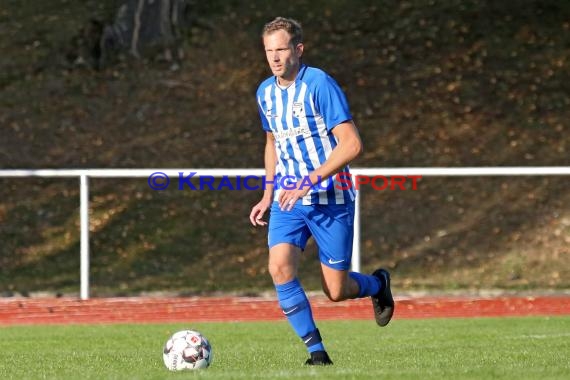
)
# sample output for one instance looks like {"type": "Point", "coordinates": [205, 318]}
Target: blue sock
{"type": "Point", "coordinates": [296, 307]}
{"type": "Point", "coordinates": [369, 285]}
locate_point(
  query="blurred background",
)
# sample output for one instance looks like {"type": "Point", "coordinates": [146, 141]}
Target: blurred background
{"type": "Point", "coordinates": [171, 84]}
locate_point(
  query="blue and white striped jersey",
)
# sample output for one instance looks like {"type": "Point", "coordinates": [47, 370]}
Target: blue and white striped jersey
{"type": "Point", "coordinates": [301, 118]}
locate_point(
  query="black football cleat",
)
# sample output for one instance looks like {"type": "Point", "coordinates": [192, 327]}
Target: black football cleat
{"type": "Point", "coordinates": [319, 358]}
{"type": "Point", "coordinates": [383, 302]}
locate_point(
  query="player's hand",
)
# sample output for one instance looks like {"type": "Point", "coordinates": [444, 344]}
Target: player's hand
{"type": "Point", "coordinates": [287, 198]}
{"type": "Point", "coordinates": [257, 212]}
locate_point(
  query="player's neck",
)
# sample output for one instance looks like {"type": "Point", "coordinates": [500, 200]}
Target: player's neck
{"type": "Point", "coordinates": [286, 82]}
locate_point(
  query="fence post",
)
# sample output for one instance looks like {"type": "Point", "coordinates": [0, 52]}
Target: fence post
{"type": "Point", "coordinates": [84, 235]}
{"type": "Point", "coordinates": [356, 238]}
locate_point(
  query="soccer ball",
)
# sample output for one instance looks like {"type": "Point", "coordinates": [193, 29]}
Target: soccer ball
{"type": "Point", "coordinates": [187, 349]}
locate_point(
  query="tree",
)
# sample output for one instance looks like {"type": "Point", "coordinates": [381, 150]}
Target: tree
{"type": "Point", "coordinates": [141, 28]}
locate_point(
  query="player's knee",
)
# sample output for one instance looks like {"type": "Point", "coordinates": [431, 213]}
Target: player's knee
{"type": "Point", "coordinates": [273, 270]}
{"type": "Point", "coordinates": [281, 273]}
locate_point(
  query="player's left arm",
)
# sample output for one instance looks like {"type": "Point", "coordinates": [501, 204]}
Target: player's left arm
{"type": "Point", "coordinates": [349, 146]}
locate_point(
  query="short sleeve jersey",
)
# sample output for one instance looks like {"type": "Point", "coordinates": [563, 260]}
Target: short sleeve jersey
{"type": "Point", "coordinates": [301, 118]}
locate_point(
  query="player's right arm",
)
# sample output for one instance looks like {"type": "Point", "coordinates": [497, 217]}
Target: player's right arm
{"type": "Point", "coordinates": [270, 159]}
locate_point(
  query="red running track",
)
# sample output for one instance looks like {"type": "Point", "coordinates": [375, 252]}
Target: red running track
{"type": "Point", "coordinates": [225, 309]}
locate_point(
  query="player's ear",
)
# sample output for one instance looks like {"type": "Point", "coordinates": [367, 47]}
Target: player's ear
{"type": "Point", "coordinates": [299, 49]}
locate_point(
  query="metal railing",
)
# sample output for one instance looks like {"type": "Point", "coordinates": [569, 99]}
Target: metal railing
{"type": "Point", "coordinates": [85, 174]}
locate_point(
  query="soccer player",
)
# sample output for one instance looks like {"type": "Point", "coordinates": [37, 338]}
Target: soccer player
{"type": "Point", "coordinates": [311, 138]}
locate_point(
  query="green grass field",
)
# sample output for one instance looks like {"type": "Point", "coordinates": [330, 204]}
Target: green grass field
{"type": "Point", "coordinates": [484, 348]}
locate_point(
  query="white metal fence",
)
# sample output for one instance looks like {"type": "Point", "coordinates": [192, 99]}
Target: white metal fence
{"type": "Point", "coordinates": [85, 174]}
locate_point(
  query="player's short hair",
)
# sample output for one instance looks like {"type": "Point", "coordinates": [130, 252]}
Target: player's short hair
{"type": "Point", "coordinates": [289, 25]}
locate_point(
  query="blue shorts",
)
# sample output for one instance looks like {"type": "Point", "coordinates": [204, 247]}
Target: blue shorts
{"type": "Point", "coordinates": [332, 227]}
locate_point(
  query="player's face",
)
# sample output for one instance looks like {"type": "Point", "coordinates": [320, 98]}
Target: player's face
{"type": "Point", "coordinates": [282, 56]}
